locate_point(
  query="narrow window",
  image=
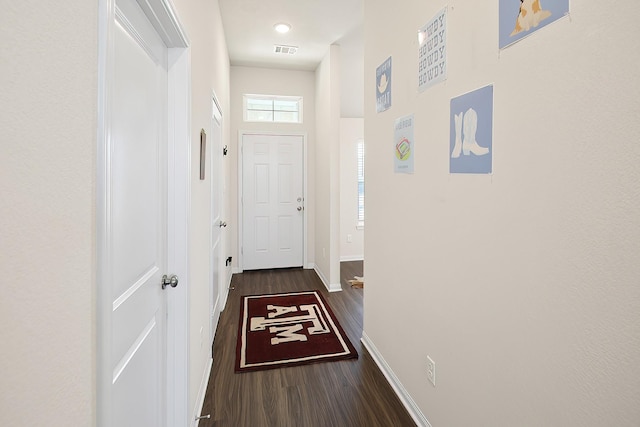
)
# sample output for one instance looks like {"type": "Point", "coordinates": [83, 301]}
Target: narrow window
{"type": "Point", "coordinates": [360, 148]}
{"type": "Point", "coordinates": [271, 108]}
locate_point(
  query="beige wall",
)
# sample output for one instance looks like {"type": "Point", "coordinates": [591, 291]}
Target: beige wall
{"type": "Point", "coordinates": [327, 163]}
{"type": "Point", "coordinates": [266, 81]}
{"type": "Point", "coordinates": [48, 76]}
{"type": "Point", "coordinates": [352, 74]}
{"type": "Point", "coordinates": [351, 131]}
{"type": "Point", "coordinates": [209, 72]}
{"type": "Point", "coordinates": [523, 285]}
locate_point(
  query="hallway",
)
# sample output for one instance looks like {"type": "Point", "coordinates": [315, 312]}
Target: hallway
{"type": "Point", "coordinates": [349, 393]}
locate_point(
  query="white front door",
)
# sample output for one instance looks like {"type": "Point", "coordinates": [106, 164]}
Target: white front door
{"type": "Point", "coordinates": [272, 201]}
{"type": "Point", "coordinates": [136, 231]}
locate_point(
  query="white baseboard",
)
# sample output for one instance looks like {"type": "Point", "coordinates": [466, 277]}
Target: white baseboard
{"type": "Point", "coordinates": [236, 270]}
{"type": "Point", "coordinates": [395, 383]}
{"type": "Point", "coordinates": [331, 287]}
{"type": "Point", "coordinates": [352, 258]}
{"type": "Point", "coordinates": [225, 292]}
{"type": "Point", "coordinates": [197, 411]}
{"type": "Point", "coordinates": [215, 315]}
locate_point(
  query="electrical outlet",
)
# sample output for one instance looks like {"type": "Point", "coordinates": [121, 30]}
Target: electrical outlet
{"type": "Point", "coordinates": [431, 370]}
{"type": "Point", "coordinates": [349, 238]}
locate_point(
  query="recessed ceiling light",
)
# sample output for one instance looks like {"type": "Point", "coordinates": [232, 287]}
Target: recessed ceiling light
{"type": "Point", "coordinates": [282, 28]}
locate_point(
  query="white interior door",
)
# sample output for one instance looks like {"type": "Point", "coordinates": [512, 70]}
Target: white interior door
{"type": "Point", "coordinates": [216, 219]}
{"type": "Point", "coordinates": [136, 236]}
{"type": "Point", "coordinates": [272, 201]}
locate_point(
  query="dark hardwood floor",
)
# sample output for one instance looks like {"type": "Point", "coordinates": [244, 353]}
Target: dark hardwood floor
{"type": "Point", "coordinates": [350, 393]}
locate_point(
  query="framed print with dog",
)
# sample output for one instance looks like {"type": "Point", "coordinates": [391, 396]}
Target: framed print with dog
{"type": "Point", "coordinates": [521, 18]}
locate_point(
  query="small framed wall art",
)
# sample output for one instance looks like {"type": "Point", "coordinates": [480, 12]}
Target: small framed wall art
{"type": "Point", "coordinates": [203, 153]}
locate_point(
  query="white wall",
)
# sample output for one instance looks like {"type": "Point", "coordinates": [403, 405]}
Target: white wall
{"type": "Point", "coordinates": [48, 75]}
{"type": "Point", "coordinates": [351, 131]}
{"type": "Point", "coordinates": [327, 163]}
{"type": "Point", "coordinates": [352, 74]}
{"type": "Point", "coordinates": [267, 81]}
{"type": "Point", "coordinates": [209, 72]}
{"type": "Point", "coordinates": [521, 285]}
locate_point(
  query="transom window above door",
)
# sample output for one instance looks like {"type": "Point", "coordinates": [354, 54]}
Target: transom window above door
{"type": "Point", "coordinates": [272, 108]}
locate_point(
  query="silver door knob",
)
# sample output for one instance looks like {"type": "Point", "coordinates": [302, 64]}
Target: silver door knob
{"type": "Point", "coordinates": [222, 224]}
{"type": "Point", "coordinates": [299, 208]}
{"type": "Point", "coordinates": [169, 281]}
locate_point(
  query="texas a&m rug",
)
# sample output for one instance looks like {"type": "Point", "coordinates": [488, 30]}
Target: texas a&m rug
{"type": "Point", "coordinates": [288, 329]}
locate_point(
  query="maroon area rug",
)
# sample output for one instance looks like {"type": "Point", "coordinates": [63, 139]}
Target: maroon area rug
{"type": "Point", "coordinates": [288, 329]}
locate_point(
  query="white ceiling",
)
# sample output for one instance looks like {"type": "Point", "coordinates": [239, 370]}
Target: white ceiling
{"type": "Point", "coordinates": [315, 24]}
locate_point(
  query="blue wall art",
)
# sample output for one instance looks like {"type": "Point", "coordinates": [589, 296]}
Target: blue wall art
{"type": "Point", "coordinates": [471, 127]}
{"type": "Point", "coordinates": [520, 18]}
{"type": "Point", "coordinates": [383, 86]}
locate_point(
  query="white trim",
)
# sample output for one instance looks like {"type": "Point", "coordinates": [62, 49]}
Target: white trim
{"type": "Point", "coordinates": [224, 270]}
{"type": "Point", "coordinates": [226, 288]}
{"type": "Point", "coordinates": [214, 97]}
{"type": "Point", "coordinates": [352, 258]}
{"type": "Point", "coordinates": [228, 285]}
{"type": "Point", "coordinates": [394, 382]}
{"type": "Point", "coordinates": [331, 287]}
{"type": "Point", "coordinates": [305, 177]}
{"type": "Point", "coordinates": [197, 410]}
{"type": "Point", "coordinates": [215, 318]}
{"type": "Point", "coordinates": [122, 19]}
{"type": "Point", "coordinates": [215, 159]}
{"type": "Point", "coordinates": [240, 213]}
{"type": "Point", "coordinates": [179, 101]}
{"type": "Point", "coordinates": [163, 17]}
{"type": "Point", "coordinates": [106, 16]}
{"type": "Point", "coordinates": [305, 199]}
{"type": "Point", "coordinates": [235, 270]}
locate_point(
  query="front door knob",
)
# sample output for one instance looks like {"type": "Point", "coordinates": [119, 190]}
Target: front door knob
{"type": "Point", "coordinates": [169, 281]}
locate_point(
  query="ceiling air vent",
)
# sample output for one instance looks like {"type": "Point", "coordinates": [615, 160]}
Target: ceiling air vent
{"type": "Point", "coordinates": [287, 50]}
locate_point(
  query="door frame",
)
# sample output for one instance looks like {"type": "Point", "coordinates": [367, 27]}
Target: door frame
{"type": "Point", "coordinates": [305, 179]}
{"type": "Point", "coordinates": [162, 15]}
{"type": "Point", "coordinates": [216, 176]}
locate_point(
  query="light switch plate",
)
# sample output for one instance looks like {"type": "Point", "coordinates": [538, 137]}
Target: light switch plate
{"type": "Point", "coordinates": [431, 370]}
